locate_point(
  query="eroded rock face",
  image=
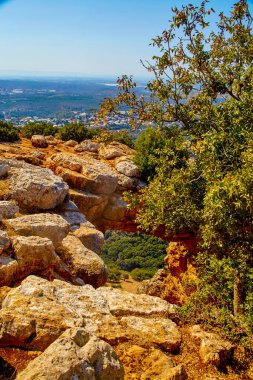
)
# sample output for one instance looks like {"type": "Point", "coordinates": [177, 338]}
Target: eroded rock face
{"type": "Point", "coordinates": [75, 355]}
{"type": "Point", "coordinates": [8, 209]}
{"type": "Point", "coordinates": [4, 241]}
{"type": "Point", "coordinates": [91, 238]}
{"type": "Point", "coordinates": [36, 188]}
{"type": "Point", "coordinates": [128, 168]}
{"type": "Point", "coordinates": [88, 146]}
{"type": "Point", "coordinates": [51, 226]}
{"type": "Point", "coordinates": [82, 262]}
{"type": "Point", "coordinates": [4, 169]}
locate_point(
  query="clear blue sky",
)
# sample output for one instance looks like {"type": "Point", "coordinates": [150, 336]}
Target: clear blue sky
{"type": "Point", "coordinates": [93, 37]}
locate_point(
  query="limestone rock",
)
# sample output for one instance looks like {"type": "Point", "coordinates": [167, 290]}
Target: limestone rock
{"type": "Point", "coordinates": [4, 169]}
{"type": "Point", "coordinates": [110, 151]}
{"type": "Point", "coordinates": [122, 303]}
{"type": "Point", "coordinates": [213, 349]}
{"type": "Point", "coordinates": [128, 168]}
{"type": "Point", "coordinates": [33, 254]}
{"type": "Point", "coordinates": [8, 270]}
{"type": "Point", "coordinates": [115, 210]}
{"type": "Point", "coordinates": [127, 183]}
{"type": "Point", "coordinates": [82, 262]}
{"type": "Point", "coordinates": [35, 313]}
{"type": "Point", "coordinates": [163, 332]}
{"type": "Point", "coordinates": [91, 238]}
{"type": "Point", "coordinates": [75, 355]}
{"type": "Point", "coordinates": [51, 226]}
{"type": "Point", "coordinates": [4, 241]}
{"type": "Point", "coordinates": [74, 218]}
{"type": "Point", "coordinates": [88, 146]}
{"type": "Point", "coordinates": [92, 205]}
{"type": "Point", "coordinates": [37, 188]}
{"type": "Point", "coordinates": [39, 141]}
{"type": "Point", "coordinates": [8, 209]}
{"type": "Point", "coordinates": [71, 143]}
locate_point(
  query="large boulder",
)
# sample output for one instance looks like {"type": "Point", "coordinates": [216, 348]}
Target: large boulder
{"type": "Point", "coordinates": [82, 262]}
{"type": "Point", "coordinates": [8, 270]}
{"type": "Point", "coordinates": [39, 141]}
{"type": "Point", "coordinates": [75, 355]}
{"type": "Point", "coordinates": [8, 209]}
{"type": "Point", "coordinates": [36, 188]}
{"type": "Point", "coordinates": [51, 226]}
{"type": "Point", "coordinates": [122, 303]}
{"type": "Point", "coordinates": [127, 167]}
{"type": "Point", "coordinates": [88, 146]}
{"type": "Point", "coordinates": [92, 205]}
{"type": "Point", "coordinates": [91, 238]}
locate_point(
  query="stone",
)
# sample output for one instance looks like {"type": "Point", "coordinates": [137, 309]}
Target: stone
{"type": "Point", "coordinates": [213, 349]}
{"type": "Point", "coordinates": [88, 146]}
{"type": "Point", "coordinates": [35, 314]}
{"type": "Point", "coordinates": [127, 183]}
{"type": "Point", "coordinates": [115, 210]}
{"type": "Point", "coordinates": [82, 262]}
{"type": "Point", "coordinates": [74, 218]}
{"type": "Point", "coordinates": [33, 254]}
{"type": "Point", "coordinates": [110, 151]}
{"type": "Point", "coordinates": [75, 355]}
{"type": "Point", "coordinates": [39, 141]}
{"type": "Point", "coordinates": [71, 143]}
{"type": "Point", "coordinates": [128, 168]}
{"type": "Point", "coordinates": [122, 303]}
{"type": "Point", "coordinates": [4, 170]}
{"type": "Point", "coordinates": [91, 238]}
{"type": "Point", "coordinates": [162, 332]}
{"type": "Point", "coordinates": [4, 241]}
{"type": "Point", "coordinates": [51, 226]}
{"type": "Point", "coordinates": [36, 188]}
{"type": "Point", "coordinates": [8, 209]}
{"type": "Point", "coordinates": [8, 270]}
{"type": "Point", "coordinates": [92, 205]}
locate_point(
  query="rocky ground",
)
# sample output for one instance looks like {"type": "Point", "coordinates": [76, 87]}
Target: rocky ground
{"type": "Point", "coordinates": [58, 320]}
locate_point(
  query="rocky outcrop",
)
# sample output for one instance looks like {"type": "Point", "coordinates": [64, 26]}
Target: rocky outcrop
{"type": "Point", "coordinates": [8, 209]}
{"type": "Point", "coordinates": [75, 355]}
{"type": "Point", "coordinates": [4, 241]}
{"type": "Point", "coordinates": [90, 237]}
{"type": "Point", "coordinates": [35, 188]}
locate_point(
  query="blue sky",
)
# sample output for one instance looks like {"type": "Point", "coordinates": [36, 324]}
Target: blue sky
{"type": "Point", "coordinates": [92, 37]}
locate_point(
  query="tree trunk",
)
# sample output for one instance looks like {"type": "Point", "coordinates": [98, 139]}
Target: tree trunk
{"type": "Point", "coordinates": [238, 294]}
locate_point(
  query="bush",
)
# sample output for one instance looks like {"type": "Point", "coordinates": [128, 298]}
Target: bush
{"type": "Point", "coordinates": [142, 274]}
{"type": "Point", "coordinates": [123, 137]}
{"type": "Point", "coordinates": [77, 132]}
{"type": "Point", "coordinates": [41, 128]}
{"type": "Point", "coordinates": [8, 132]}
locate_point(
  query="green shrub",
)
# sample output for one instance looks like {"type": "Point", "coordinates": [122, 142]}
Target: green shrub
{"type": "Point", "coordinates": [139, 274]}
{"type": "Point", "coordinates": [8, 133]}
{"type": "Point", "coordinates": [123, 137]}
{"type": "Point", "coordinates": [77, 132]}
{"type": "Point", "coordinates": [41, 128]}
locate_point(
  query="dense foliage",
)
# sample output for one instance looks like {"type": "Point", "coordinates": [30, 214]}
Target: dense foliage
{"type": "Point", "coordinates": [203, 87]}
{"type": "Point", "coordinates": [139, 254]}
{"type": "Point", "coordinates": [77, 132]}
{"type": "Point", "coordinates": [41, 128]}
{"type": "Point", "coordinates": [106, 136]}
{"type": "Point", "coordinates": [8, 133]}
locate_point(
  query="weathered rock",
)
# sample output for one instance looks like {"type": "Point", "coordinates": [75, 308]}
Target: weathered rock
{"type": "Point", "coordinates": [116, 208]}
{"type": "Point", "coordinates": [8, 209]}
{"type": "Point", "coordinates": [83, 262]}
{"type": "Point", "coordinates": [127, 183]}
{"type": "Point", "coordinates": [71, 143]}
{"type": "Point", "coordinates": [122, 303]}
{"type": "Point", "coordinates": [110, 151]}
{"type": "Point", "coordinates": [35, 313]}
{"type": "Point", "coordinates": [74, 218]}
{"type": "Point", "coordinates": [67, 206]}
{"type": "Point", "coordinates": [75, 355]}
{"type": "Point", "coordinates": [4, 241]}
{"type": "Point", "coordinates": [96, 176]}
{"type": "Point", "coordinates": [33, 254]}
{"type": "Point", "coordinates": [163, 332]}
{"type": "Point", "coordinates": [36, 188]}
{"type": "Point", "coordinates": [92, 205]}
{"type": "Point", "coordinates": [8, 270]}
{"type": "Point", "coordinates": [4, 169]}
{"type": "Point", "coordinates": [91, 238]}
{"type": "Point", "coordinates": [51, 226]}
{"type": "Point", "coordinates": [88, 146]}
{"type": "Point", "coordinates": [39, 141]}
{"type": "Point", "coordinates": [213, 349]}
{"type": "Point", "coordinates": [127, 168]}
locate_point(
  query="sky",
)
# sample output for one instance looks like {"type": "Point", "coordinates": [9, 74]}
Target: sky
{"type": "Point", "coordinates": [83, 37]}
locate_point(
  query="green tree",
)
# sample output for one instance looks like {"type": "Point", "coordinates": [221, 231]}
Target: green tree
{"type": "Point", "coordinates": [8, 132]}
{"type": "Point", "coordinates": [41, 128]}
{"type": "Point", "coordinates": [203, 85]}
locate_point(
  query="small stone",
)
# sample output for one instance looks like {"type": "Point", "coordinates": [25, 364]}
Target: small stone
{"type": "Point", "coordinates": [39, 141]}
